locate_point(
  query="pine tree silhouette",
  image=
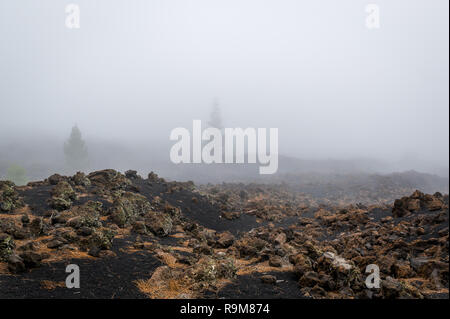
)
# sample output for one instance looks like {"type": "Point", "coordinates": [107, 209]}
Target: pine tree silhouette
{"type": "Point", "coordinates": [215, 121]}
{"type": "Point", "coordinates": [215, 118]}
{"type": "Point", "coordinates": [75, 151]}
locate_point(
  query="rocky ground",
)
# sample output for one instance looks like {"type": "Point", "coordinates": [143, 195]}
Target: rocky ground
{"type": "Point", "coordinates": [149, 238]}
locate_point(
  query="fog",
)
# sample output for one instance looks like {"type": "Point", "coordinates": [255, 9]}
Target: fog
{"type": "Point", "coordinates": [137, 69]}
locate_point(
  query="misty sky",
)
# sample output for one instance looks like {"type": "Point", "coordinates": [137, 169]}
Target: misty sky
{"type": "Point", "coordinates": [138, 68]}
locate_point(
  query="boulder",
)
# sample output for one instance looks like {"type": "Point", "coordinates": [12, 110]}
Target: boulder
{"type": "Point", "coordinates": [280, 239]}
{"type": "Point", "coordinates": [337, 261]}
{"type": "Point", "coordinates": [80, 179]}
{"type": "Point", "coordinates": [225, 240]}
{"type": "Point", "coordinates": [391, 288]}
{"type": "Point", "coordinates": [302, 263]}
{"type": "Point", "coordinates": [56, 178]}
{"type": "Point", "coordinates": [31, 259]}
{"type": "Point", "coordinates": [158, 223]}
{"type": "Point", "coordinates": [269, 279]}
{"type": "Point", "coordinates": [38, 226]}
{"type": "Point", "coordinates": [131, 174]}
{"type": "Point", "coordinates": [127, 207]}
{"type": "Point", "coordinates": [231, 215]}
{"type": "Point", "coordinates": [7, 246]}
{"type": "Point", "coordinates": [63, 196]}
{"type": "Point", "coordinates": [433, 204]}
{"type": "Point", "coordinates": [9, 197]}
{"type": "Point", "coordinates": [101, 238]}
{"type": "Point", "coordinates": [16, 264]}
{"type": "Point", "coordinates": [55, 243]}
{"type": "Point", "coordinates": [109, 179]}
{"type": "Point", "coordinates": [139, 227]}
{"type": "Point", "coordinates": [309, 279]}
{"type": "Point", "coordinates": [275, 261]}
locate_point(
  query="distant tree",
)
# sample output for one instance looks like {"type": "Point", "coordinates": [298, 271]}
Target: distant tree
{"type": "Point", "coordinates": [215, 118]}
{"type": "Point", "coordinates": [17, 175]}
{"type": "Point", "coordinates": [215, 121]}
{"type": "Point", "coordinates": [75, 151]}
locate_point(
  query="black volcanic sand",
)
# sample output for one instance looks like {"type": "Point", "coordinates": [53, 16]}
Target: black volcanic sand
{"type": "Point", "coordinates": [201, 211]}
{"type": "Point", "coordinates": [105, 278]}
{"type": "Point", "coordinates": [114, 277]}
{"type": "Point", "coordinates": [38, 196]}
{"type": "Point", "coordinates": [251, 287]}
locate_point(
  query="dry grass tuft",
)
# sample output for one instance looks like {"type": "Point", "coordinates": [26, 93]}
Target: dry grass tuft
{"type": "Point", "coordinates": [168, 259]}
{"type": "Point", "coordinates": [178, 235]}
{"type": "Point", "coordinates": [246, 267]}
{"type": "Point", "coordinates": [179, 248]}
{"type": "Point", "coordinates": [50, 285]}
{"type": "Point", "coordinates": [3, 268]}
{"type": "Point", "coordinates": [23, 210]}
{"type": "Point", "coordinates": [165, 289]}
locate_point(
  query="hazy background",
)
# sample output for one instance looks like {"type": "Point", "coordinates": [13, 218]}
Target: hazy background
{"type": "Point", "coordinates": [343, 97]}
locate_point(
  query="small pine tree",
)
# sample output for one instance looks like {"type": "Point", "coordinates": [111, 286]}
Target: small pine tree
{"type": "Point", "coordinates": [215, 121]}
{"type": "Point", "coordinates": [75, 151]}
{"type": "Point", "coordinates": [215, 118]}
{"type": "Point", "coordinates": [17, 175]}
